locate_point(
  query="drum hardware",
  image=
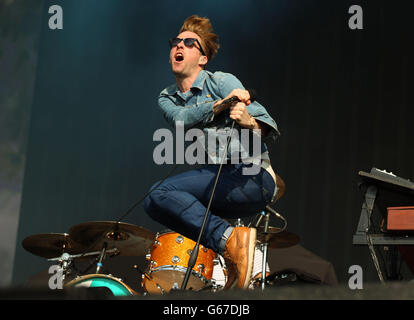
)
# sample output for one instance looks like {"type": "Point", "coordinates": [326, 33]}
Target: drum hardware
{"type": "Point", "coordinates": [268, 235]}
{"type": "Point", "coordinates": [281, 278]}
{"type": "Point", "coordinates": [65, 261]}
{"type": "Point", "coordinates": [179, 239]}
{"type": "Point", "coordinates": [99, 264]}
{"type": "Point", "coordinates": [113, 251]}
{"type": "Point", "coordinates": [200, 268]}
{"type": "Point", "coordinates": [278, 279]}
{"type": "Point", "coordinates": [175, 287]}
{"type": "Point", "coordinates": [239, 223]}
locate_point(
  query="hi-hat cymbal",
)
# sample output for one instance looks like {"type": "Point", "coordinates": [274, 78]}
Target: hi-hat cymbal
{"type": "Point", "coordinates": [129, 239]}
{"type": "Point", "coordinates": [51, 245]}
{"type": "Point", "coordinates": [276, 238]}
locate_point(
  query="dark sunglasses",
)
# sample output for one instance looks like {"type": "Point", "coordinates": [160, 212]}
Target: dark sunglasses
{"type": "Point", "coordinates": [188, 42]}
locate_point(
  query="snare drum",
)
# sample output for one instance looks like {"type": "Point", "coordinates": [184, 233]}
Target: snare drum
{"type": "Point", "coordinates": [115, 285]}
{"type": "Point", "coordinates": [168, 261]}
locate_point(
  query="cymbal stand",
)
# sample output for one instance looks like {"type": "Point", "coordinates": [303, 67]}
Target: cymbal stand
{"type": "Point", "coordinates": [64, 263]}
{"type": "Point", "coordinates": [265, 244]}
{"type": "Point", "coordinates": [66, 259]}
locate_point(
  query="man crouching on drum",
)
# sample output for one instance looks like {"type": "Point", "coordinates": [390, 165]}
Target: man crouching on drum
{"type": "Point", "coordinates": [196, 99]}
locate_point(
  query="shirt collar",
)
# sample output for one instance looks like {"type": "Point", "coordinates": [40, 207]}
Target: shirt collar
{"type": "Point", "coordinates": [198, 83]}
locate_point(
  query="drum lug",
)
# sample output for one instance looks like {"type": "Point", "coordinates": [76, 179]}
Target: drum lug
{"type": "Point", "coordinates": [148, 257]}
{"type": "Point", "coordinates": [201, 268]}
{"type": "Point", "coordinates": [179, 239]}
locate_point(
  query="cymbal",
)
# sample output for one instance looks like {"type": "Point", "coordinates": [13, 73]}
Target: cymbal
{"type": "Point", "coordinates": [51, 245]}
{"type": "Point", "coordinates": [130, 239]}
{"type": "Point", "coordinates": [277, 239]}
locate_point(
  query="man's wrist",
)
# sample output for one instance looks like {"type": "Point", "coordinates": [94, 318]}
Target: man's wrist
{"type": "Point", "coordinates": [217, 107]}
{"type": "Point", "coordinates": [253, 123]}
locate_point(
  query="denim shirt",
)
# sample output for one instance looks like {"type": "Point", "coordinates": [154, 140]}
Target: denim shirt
{"type": "Point", "coordinates": [194, 109]}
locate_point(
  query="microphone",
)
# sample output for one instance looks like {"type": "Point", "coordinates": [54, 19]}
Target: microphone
{"type": "Point", "coordinates": [231, 100]}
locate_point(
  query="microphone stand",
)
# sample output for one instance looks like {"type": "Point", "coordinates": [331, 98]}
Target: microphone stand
{"type": "Point", "coordinates": [194, 253]}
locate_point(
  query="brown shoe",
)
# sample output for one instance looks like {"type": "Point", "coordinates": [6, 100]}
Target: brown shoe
{"type": "Point", "coordinates": [239, 253]}
{"type": "Point", "coordinates": [231, 275]}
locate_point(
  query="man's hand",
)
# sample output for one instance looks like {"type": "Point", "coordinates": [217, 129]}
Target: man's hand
{"type": "Point", "coordinates": [239, 113]}
{"type": "Point", "coordinates": [242, 95]}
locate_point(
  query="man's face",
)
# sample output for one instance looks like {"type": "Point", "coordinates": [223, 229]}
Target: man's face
{"type": "Point", "coordinates": [185, 61]}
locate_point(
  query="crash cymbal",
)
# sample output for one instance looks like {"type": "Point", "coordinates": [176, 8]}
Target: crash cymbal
{"type": "Point", "coordinates": [276, 238]}
{"type": "Point", "coordinates": [129, 239]}
{"type": "Point", "coordinates": [51, 245]}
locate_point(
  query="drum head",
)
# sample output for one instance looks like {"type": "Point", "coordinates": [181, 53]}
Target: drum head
{"type": "Point", "coordinates": [163, 281]}
{"type": "Point", "coordinates": [116, 286]}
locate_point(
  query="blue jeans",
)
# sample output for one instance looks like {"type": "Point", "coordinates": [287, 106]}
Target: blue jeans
{"type": "Point", "coordinates": [180, 202]}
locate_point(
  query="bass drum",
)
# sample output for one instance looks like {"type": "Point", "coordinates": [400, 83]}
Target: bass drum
{"type": "Point", "coordinates": [115, 285]}
{"type": "Point", "coordinates": [168, 260]}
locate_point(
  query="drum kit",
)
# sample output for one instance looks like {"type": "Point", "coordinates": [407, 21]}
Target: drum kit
{"type": "Point", "coordinates": [167, 254]}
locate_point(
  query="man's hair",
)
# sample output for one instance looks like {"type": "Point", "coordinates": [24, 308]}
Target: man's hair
{"type": "Point", "coordinates": [203, 28]}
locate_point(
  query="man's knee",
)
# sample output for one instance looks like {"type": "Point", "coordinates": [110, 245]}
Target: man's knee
{"type": "Point", "coordinates": [150, 202]}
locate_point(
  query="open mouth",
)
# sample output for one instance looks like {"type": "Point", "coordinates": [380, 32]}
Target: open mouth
{"type": "Point", "coordinates": [179, 57]}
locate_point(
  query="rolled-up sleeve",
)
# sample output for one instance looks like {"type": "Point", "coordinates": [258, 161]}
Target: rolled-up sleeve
{"type": "Point", "coordinates": [260, 113]}
{"type": "Point", "coordinates": [255, 109]}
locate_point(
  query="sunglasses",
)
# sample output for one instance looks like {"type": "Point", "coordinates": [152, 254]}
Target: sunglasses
{"type": "Point", "coordinates": [188, 42]}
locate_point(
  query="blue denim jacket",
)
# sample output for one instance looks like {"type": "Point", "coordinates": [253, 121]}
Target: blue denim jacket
{"type": "Point", "coordinates": [194, 109]}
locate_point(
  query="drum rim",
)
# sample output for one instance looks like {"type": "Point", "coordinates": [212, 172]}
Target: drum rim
{"type": "Point", "coordinates": [80, 279]}
{"type": "Point", "coordinates": [163, 233]}
{"type": "Point", "coordinates": [179, 269]}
